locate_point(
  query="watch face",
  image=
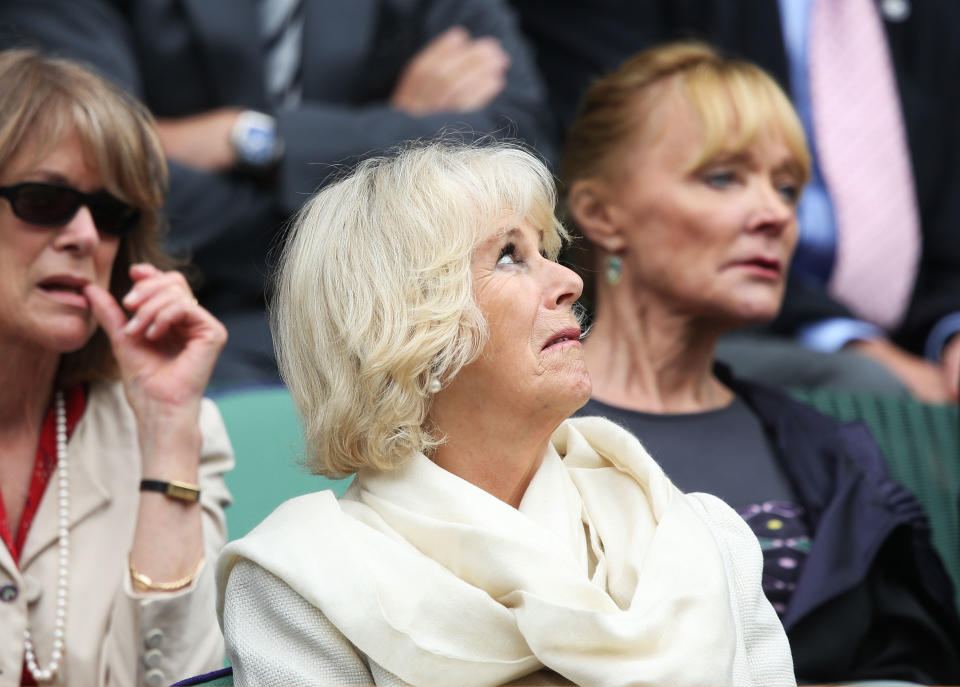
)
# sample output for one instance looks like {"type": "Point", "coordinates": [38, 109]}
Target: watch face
{"type": "Point", "coordinates": [258, 145]}
{"type": "Point", "coordinates": [255, 140]}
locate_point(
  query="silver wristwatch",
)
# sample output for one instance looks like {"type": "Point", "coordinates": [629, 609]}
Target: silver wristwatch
{"type": "Point", "coordinates": [256, 141]}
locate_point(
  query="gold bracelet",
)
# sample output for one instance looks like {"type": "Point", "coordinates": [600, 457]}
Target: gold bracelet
{"type": "Point", "coordinates": [145, 583]}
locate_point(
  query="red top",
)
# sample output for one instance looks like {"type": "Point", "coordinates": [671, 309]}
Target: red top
{"type": "Point", "coordinates": [44, 467]}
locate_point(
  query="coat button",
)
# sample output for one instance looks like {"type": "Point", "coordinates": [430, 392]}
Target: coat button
{"type": "Point", "coordinates": [153, 658]}
{"type": "Point", "coordinates": [155, 678]}
{"type": "Point", "coordinates": [9, 592]}
{"type": "Point", "coordinates": [154, 638]}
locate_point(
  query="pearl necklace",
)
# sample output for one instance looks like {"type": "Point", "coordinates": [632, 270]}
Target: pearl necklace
{"type": "Point", "coordinates": [63, 524]}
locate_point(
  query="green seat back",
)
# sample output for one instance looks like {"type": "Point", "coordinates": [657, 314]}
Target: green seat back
{"type": "Point", "coordinates": [268, 443]}
{"type": "Point", "coordinates": [921, 443]}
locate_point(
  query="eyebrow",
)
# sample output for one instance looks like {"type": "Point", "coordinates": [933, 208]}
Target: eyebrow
{"type": "Point", "coordinates": [791, 166]}
{"type": "Point", "coordinates": [514, 231]}
{"type": "Point", "coordinates": [726, 157]}
{"type": "Point", "coordinates": [789, 163]}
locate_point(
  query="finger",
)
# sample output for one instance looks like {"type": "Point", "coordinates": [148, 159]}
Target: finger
{"type": "Point", "coordinates": [149, 273]}
{"type": "Point", "coordinates": [421, 81]}
{"type": "Point", "coordinates": [142, 270]}
{"type": "Point", "coordinates": [950, 367]}
{"type": "Point", "coordinates": [482, 64]}
{"type": "Point", "coordinates": [150, 285]}
{"type": "Point", "coordinates": [926, 383]}
{"type": "Point", "coordinates": [444, 43]}
{"type": "Point", "coordinates": [147, 312]}
{"type": "Point", "coordinates": [473, 96]}
{"type": "Point", "coordinates": [483, 55]}
{"type": "Point", "coordinates": [491, 51]}
{"type": "Point", "coordinates": [434, 54]}
{"type": "Point", "coordinates": [106, 310]}
{"type": "Point", "coordinates": [949, 386]}
{"type": "Point", "coordinates": [933, 394]}
{"type": "Point", "coordinates": [191, 322]}
{"type": "Point", "coordinates": [173, 313]}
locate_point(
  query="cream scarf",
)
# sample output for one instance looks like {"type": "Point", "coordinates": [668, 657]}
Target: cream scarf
{"type": "Point", "coordinates": [606, 574]}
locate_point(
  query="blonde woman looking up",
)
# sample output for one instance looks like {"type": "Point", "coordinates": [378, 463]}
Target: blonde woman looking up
{"type": "Point", "coordinates": [683, 170]}
{"type": "Point", "coordinates": [429, 340]}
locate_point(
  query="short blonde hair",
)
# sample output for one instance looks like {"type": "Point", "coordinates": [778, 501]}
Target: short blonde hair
{"type": "Point", "coordinates": [44, 100]}
{"type": "Point", "coordinates": [375, 297]}
{"type": "Point", "coordinates": [733, 100]}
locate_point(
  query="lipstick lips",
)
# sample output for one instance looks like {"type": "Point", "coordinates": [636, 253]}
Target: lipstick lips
{"type": "Point", "coordinates": [563, 336]}
{"type": "Point", "coordinates": [762, 265]}
{"type": "Point", "coordinates": [66, 289]}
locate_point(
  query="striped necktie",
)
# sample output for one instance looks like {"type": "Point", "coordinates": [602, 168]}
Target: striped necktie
{"type": "Point", "coordinates": [861, 145]}
{"type": "Point", "coordinates": [282, 33]}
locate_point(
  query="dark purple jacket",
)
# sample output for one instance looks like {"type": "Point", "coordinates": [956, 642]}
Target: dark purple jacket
{"type": "Point", "coordinates": [874, 600]}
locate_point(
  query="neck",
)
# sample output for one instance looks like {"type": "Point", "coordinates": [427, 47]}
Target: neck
{"type": "Point", "coordinates": [646, 356]}
{"type": "Point", "coordinates": [26, 381]}
{"type": "Point", "coordinates": [498, 452]}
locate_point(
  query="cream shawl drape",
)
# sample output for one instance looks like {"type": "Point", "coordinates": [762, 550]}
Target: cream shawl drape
{"type": "Point", "coordinates": [606, 574]}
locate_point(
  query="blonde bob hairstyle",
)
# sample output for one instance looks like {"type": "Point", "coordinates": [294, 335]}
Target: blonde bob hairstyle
{"type": "Point", "coordinates": [733, 100]}
{"type": "Point", "coordinates": [374, 295]}
{"type": "Point", "coordinates": [44, 101]}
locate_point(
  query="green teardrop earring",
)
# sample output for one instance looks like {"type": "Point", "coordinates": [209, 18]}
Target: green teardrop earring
{"type": "Point", "coordinates": [614, 271]}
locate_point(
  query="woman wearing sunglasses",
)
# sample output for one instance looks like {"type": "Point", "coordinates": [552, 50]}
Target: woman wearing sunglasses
{"type": "Point", "coordinates": [111, 489]}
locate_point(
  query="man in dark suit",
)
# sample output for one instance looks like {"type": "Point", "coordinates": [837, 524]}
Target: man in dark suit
{"type": "Point", "coordinates": [368, 74]}
{"type": "Point", "coordinates": [578, 40]}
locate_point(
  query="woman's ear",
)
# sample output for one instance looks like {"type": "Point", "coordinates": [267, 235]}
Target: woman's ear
{"type": "Point", "coordinates": [590, 207]}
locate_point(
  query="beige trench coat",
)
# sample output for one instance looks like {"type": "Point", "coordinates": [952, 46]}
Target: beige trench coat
{"type": "Point", "coordinates": [114, 635]}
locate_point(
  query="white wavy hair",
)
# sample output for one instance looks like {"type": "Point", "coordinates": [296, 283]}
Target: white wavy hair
{"type": "Point", "coordinates": [375, 297]}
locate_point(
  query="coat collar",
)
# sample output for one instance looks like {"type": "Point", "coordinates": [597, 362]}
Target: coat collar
{"type": "Point", "coordinates": [88, 491]}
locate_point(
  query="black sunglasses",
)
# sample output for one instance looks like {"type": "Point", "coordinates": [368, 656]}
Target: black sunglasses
{"type": "Point", "coordinates": [53, 205]}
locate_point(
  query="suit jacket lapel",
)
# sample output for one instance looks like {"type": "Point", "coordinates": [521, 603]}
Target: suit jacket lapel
{"type": "Point", "coordinates": [228, 32]}
{"type": "Point", "coordinates": [330, 53]}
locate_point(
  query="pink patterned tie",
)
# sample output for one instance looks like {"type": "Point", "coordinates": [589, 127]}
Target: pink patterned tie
{"type": "Point", "coordinates": [862, 150]}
